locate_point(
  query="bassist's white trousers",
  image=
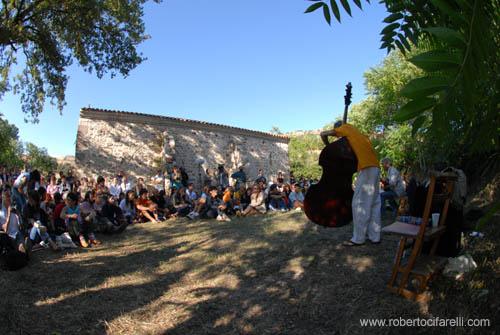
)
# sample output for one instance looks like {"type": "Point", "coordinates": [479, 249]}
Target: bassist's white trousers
{"type": "Point", "coordinates": [366, 206]}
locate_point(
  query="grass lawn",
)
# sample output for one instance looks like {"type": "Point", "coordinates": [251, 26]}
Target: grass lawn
{"type": "Point", "coordinates": [263, 275]}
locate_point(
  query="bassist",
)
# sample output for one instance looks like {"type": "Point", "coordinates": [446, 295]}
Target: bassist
{"type": "Point", "coordinates": [366, 199]}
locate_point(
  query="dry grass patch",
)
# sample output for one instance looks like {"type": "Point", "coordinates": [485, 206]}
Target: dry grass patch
{"type": "Point", "coordinates": [262, 275]}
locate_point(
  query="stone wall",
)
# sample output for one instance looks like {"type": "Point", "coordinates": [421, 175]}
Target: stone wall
{"type": "Point", "coordinates": [109, 141]}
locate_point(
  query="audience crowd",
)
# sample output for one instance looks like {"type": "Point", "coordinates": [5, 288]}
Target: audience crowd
{"type": "Point", "coordinates": [59, 210]}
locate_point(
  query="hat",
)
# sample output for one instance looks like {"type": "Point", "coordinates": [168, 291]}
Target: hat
{"type": "Point", "coordinates": [338, 124]}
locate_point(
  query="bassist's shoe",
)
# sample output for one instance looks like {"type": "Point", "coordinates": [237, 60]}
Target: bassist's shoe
{"type": "Point", "coordinates": [352, 244]}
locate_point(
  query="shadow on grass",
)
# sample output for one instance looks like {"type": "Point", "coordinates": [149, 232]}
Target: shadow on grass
{"type": "Point", "coordinates": [294, 281]}
{"type": "Point", "coordinates": [269, 274]}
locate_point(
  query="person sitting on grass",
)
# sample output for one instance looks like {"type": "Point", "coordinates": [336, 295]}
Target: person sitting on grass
{"type": "Point", "coordinates": [286, 193]}
{"type": "Point", "coordinates": [246, 193]}
{"type": "Point", "coordinates": [127, 205]}
{"type": "Point", "coordinates": [71, 216]}
{"type": "Point", "coordinates": [228, 201]}
{"type": "Point", "coordinates": [11, 224]}
{"type": "Point", "coordinates": [276, 201]}
{"type": "Point", "coordinates": [36, 222]}
{"type": "Point", "coordinates": [140, 185]}
{"type": "Point", "coordinates": [215, 208]}
{"type": "Point", "coordinates": [115, 188]}
{"type": "Point", "coordinates": [180, 202]}
{"type": "Point", "coordinates": [126, 183]}
{"type": "Point", "coordinates": [64, 186]}
{"type": "Point", "coordinates": [88, 215]}
{"type": "Point", "coordinates": [280, 179]}
{"type": "Point", "coordinates": [260, 178]}
{"type": "Point", "coordinates": [191, 194]}
{"type": "Point", "coordinates": [200, 204]}
{"type": "Point", "coordinates": [257, 202]}
{"type": "Point", "coordinates": [159, 199]}
{"type": "Point", "coordinates": [145, 207]}
{"type": "Point", "coordinates": [45, 201]}
{"type": "Point", "coordinates": [102, 218]}
{"type": "Point", "coordinates": [83, 188]}
{"type": "Point", "coordinates": [70, 180]}
{"type": "Point", "coordinates": [52, 188]}
{"type": "Point", "coordinates": [58, 222]}
{"type": "Point", "coordinates": [24, 182]}
{"type": "Point", "coordinates": [296, 198]}
{"type": "Point", "coordinates": [76, 187]}
{"type": "Point", "coordinates": [4, 176]}
{"type": "Point", "coordinates": [238, 196]}
{"type": "Point", "coordinates": [111, 215]}
{"type": "Point", "coordinates": [100, 187]}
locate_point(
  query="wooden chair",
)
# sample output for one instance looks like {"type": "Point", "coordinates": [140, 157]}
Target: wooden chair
{"type": "Point", "coordinates": [421, 268]}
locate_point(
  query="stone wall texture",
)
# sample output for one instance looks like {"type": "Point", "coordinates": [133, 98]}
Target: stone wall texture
{"type": "Point", "coordinates": [110, 141]}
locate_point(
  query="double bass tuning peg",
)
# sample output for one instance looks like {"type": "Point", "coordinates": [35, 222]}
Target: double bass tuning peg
{"type": "Point", "coordinates": [348, 94]}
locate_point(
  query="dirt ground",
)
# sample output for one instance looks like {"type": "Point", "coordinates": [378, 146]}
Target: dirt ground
{"type": "Point", "coordinates": [265, 275]}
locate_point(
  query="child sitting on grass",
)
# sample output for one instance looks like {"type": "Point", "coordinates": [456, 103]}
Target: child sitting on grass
{"type": "Point", "coordinates": [145, 207]}
{"type": "Point", "coordinates": [58, 222]}
{"type": "Point", "coordinates": [181, 202]}
{"type": "Point", "coordinates": [228, 201]}
{"type": "Point", "coordinates": [88, 215]}
{"type": "Point", "coordinates": [200, 204]}
{"type": "Point", "coordinates": [71, 216]}
{"type": "Point", "coordinates": [160, 200]}
{"type": "Point", "coordinates": [127, 205]}
{"type": "Point", "coordinates": [296, 198]}
{"type": "Point", "coordinates": [257, 202]}
{"type": "Point", "coordinates": [36, 221]}
{"type": "Point", "coordinates": [10, 223]}
{"type": "Point", "coordinates": [111, 215]}
{"type": "Point", "coordinates": [215, 207]}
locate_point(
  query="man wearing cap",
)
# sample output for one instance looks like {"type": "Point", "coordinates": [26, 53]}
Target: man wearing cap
{"type": "Point", "coordinates": [366, 199]}
{"type": "Point", "coordinates": [240, 178]}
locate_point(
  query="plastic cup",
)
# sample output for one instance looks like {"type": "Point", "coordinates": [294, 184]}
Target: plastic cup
{"type": "Point", "coordinates": [435, 220]}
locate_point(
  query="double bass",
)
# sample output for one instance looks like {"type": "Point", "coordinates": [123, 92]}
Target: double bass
{"type": "Point", "coordinates": [329, 202]}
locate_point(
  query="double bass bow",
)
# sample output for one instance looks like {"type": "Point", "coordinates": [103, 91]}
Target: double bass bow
{"type": "Point", "coordinates": [329, 202]}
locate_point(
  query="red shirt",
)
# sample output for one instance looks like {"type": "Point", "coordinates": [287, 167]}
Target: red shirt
{"type": "Point", "coordinates": [57, 210]}
{"type": "Point", "coordinates": [143, 202]}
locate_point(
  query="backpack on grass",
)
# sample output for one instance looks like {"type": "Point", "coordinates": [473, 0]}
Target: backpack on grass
{"type": "Point", "coordinates": [10, 258]}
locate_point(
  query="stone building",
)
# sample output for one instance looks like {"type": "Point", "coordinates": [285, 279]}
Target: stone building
{"type": "Point", "coordinates": [140, 144]}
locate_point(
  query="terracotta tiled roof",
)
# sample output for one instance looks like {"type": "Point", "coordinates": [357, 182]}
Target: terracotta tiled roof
{"type": "Point", "coordinates": [84, 111]}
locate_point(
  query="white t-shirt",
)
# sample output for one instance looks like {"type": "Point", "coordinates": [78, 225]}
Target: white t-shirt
{"type": "Point", "coordinates": [18, 181]}
{"type": "Point", "coordinates": [126, 186]}
{"type": "Point", "coordinates": [115, 190]}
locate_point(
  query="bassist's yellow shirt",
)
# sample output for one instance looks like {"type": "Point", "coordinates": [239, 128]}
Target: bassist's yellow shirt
{"type": "Point", "coordinates": [360, 144]}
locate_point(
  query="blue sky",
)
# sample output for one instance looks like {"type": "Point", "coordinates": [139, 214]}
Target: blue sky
{"type": "Point", "coordinates": [253, 64]}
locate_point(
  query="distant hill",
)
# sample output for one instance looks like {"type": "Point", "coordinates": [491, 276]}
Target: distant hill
{"type": "Point", "coordinates": [297, 133]}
